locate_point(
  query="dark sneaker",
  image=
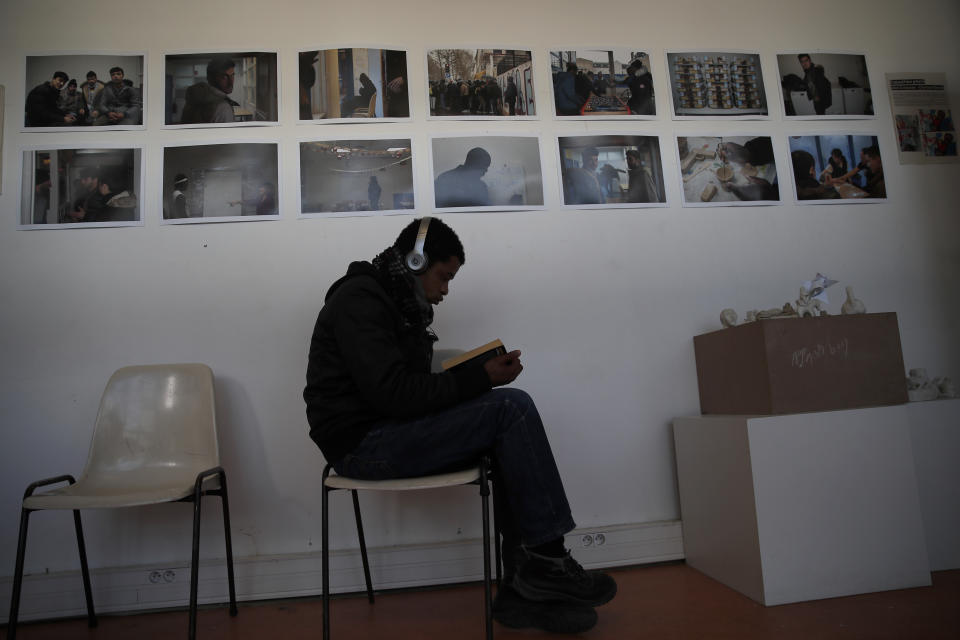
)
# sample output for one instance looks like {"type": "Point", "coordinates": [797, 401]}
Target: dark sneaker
{"type": "Point", "coordinates": [542, 578]}
{"type": "Point", "coordinates": [510, 610]}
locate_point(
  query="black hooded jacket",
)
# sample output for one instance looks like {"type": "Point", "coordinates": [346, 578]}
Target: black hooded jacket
{"type": "Point", "coordinates": [365, 366]}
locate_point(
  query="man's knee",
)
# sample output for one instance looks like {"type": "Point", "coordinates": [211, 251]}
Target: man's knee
{"type": "Point", "coordinates": [516, 399]}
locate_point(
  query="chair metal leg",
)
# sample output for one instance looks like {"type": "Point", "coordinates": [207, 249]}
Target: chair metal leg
{"type": "Point", "coordinates": [485, 505]}
{"type": "Point", "coordinates": [195, 561]}
{"type": "Point", "coordinates": [324, 554]}
{"type": "Point", "coordinates": [497, 560]}
{"type": "Point", "coordinates": [18, 575]}
{"type": "Point", "coordinates": [84, 569]}
{"type": "Point", "coordinates": [226, 535]}
{"type": "Point", "coordinates": [363, 545]}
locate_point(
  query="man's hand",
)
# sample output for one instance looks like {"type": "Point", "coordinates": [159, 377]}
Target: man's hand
{"type": "Point", "coordinates": [503, 369]}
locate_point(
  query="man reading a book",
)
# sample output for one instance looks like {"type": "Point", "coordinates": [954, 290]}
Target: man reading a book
{"type": "Point", "coordinates": [376, 411]}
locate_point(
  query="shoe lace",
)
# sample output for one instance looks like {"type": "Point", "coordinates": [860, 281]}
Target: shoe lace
{"type": "Point", "coordinates": [575, 570]}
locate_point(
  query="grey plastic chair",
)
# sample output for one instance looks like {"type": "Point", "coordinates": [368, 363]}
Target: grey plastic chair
{"type": "Point", "coordinates": [155, 440]}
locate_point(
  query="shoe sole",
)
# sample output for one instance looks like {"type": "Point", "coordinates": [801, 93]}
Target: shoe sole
{"type": "Point", "coordinates": [546, 595]}
{"type": "Point", "coordinates": [545, 622]}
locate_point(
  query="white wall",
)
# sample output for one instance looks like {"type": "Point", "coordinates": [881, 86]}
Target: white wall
{"type": "Point", "coordinates": [604, 304]}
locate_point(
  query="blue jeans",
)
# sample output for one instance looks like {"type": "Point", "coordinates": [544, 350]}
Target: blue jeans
{"type": "Point", "coordinates": [531, 505]}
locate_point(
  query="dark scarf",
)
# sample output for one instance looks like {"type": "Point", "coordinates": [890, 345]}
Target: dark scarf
{"type": "Point", "coordinates": [401, 286]}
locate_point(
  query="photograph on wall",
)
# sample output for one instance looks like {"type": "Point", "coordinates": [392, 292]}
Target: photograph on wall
{"type": "Point", "coordinates": [925, 127]}
{"type": "Point", "coordinates": [229, 182]}
{"type": "Point", "coordinates": [486, 173]}
{"type": "Point", "coordinates": [824, 85]}
{"type": "Point", "coordinates": [81, 187]}
{"type": "Point", "coordinates": [830, 169]}
{"type": "Point", "coordinates": [611, 171]}
{"type": "Point", "coordinates": [480, 84]}
{"type": "Point", "coordinates": [356, 177]}
{"type": "Point", "coordinates": [353, 85]}
{"type": "Point", "coordinates": [727, 171]}
{"type": "Point", "coordinates": [602, 84]}
{"type": "Point", "coordinates": [716, 84]}
{"type": "Point", "coordinates": [220, 89]}
{"type": "Point", "coordinates": [81, 90]}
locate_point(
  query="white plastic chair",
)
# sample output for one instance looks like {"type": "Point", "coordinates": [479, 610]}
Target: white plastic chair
{"type": "Point", "coordinates": [155, 440]}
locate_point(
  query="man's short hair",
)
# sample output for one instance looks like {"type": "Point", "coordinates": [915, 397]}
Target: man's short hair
{"type": "Point", "coordinates": [802, 163]}
{"type": "Point", "coordinates": [477, 158]}
{"type": "Point", "coordinates": [571, 66]}
{"type": "Point", "coordinates": [91, 74]}
{"type": "Point", "coordinates": [115, 69]}
{"type": "Point", "coordinates": [441, 243]}
{"type": "Point", "coordinates": [633, 153]}
{"type": "Point", "coordinates": [179, 179]}
{"type": "Point", "coordinates": [873, 151]}
{"type": "Point", "coordinates": [801, 56]}
{"type": "Point", "coordinates": [60, 74]}
{"type": "Point", "coordinates": [590, 151]}
{"type": "Point", "coordinates": [72, 83]}
{"type": "Point", "coordinates": [219, 66]}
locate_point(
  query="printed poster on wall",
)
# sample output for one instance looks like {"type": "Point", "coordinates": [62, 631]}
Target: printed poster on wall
{"type": "Point", "coordinates": [924, 123]}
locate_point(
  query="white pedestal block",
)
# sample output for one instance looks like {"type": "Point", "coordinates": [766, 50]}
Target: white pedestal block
{"type": "Point", "coordinates": [803, 506]}
{"type": "Point", "coordinates": [935, 436]}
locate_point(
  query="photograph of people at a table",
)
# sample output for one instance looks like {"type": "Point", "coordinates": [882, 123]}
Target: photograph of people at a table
{"type": "Point", "coordinates": [611, 171]}
{"type": "Point", "coordinates": [727, 170]}
{"type": "Point", "coordinates": [818, 84]}
{"type": "Point", "coordinates": [478, 84]}
{"type": "Point", "coordinates": [837, 167]}
{"type": "Point", "coordinates": [233, 88]}
{"type": "Point", "coordinates": [602, 83]}
{"type": "Point", "coordinates": [353, 85]}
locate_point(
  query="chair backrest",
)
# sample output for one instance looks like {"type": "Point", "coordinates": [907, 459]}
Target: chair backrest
{"type": "Point", "coordinates": [157, 419]}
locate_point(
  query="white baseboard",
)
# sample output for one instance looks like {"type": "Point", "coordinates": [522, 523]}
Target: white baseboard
{"type": "Point", "coordinates": [127, 589]}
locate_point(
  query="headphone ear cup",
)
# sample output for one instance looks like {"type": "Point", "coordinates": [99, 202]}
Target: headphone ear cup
{"type": "Point", "coordinates": [416, 262]}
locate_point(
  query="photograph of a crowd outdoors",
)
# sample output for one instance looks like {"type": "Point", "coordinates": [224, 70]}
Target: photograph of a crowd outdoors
{"type": "Point", "coordinates": [220, 89]}
{"type": "Point", "coordinates": [353, 83]}
{"type": "Point", "coordinates": [717, 83]}
{"type": "Point", "coordinates": [837, 168]}
{"type": "Point", "coordinates": [611, 171]}
{"type": "Point", "coordinates": [602, 83]}
{"type": "Point", "coordinates": [824, 85]}
{"type": "Point", "coordinates": [480, 83]}
{"type": "Point", "coordinates": [355, 177]}
{"type": "Point", "coordinates": [220, 182]}
{"type": "Point", "coordinates": [478, 173]}
{"type": "Point", "coordinates": [80, 187]}
{"type": "Point", "coordinates": [728, 170]}
{"type": "Point", "coordinates": [84, 90]}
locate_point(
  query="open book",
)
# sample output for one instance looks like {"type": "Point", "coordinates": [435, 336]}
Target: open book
{"type": "Point", "coordinates": [475, 356]}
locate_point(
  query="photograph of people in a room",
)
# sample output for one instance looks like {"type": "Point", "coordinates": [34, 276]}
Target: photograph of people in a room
{"type": "Point", "coordinates": [727, 170]}
{"type": "Point", "coordinates": [602, 83]}
{"type": "Point", "coordinates": [96, 186]}
{"type": "Point", "coordinates": [217, 89]}
{"type": "Point", "coordinates": [84, 90]}
{"type": "Point", "coordinates": [338, 84]}
{"type": "Point", "coordinates": [823, 84]}
{"type": "Point", "coordinates": [939, 135]}
{"type": "Point", "coordinates": [611, 171]}
{"type": "Point", "coordinates": [908, 132]}
{"type": "Point", "coordinates": [220, 182]}
{"type": "Point", "coordinates": [837, 168]}
{"type": "Point", "coordinates": [356, 177]}
{"type": "Point", "coordinates": [481, 83]}
{"type": "Point", "coordinates": [724, 84]}
{"type": "Point", "coordinates": [487, 173]}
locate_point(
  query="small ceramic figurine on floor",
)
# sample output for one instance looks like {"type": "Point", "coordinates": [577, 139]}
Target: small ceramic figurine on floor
{"type": "Point", "coordinates": [728, 318]}
{"type": "Point", "coordinates": [852, 305]}
{"type": "Point", "coordinates": [808, 305]}
{"type": "Point", "coordinates": [919, 386]}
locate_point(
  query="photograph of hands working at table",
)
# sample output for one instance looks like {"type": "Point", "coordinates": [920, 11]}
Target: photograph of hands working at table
{"type": "Point", "coordinates": [837, 167]}
{"type": "Point", "coordinates": [729, 170]}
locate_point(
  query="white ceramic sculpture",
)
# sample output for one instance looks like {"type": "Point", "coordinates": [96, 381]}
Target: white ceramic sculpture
{"type": "Point", "coordinates": [946, 387]}
{"type": "Point", "coordinates": [808, 306]}
{"type": "Point", "coordinates": [852, 304]}
{"type": "Point", "coordinates": [919, 386]}
{"type": "Point", "coordinates": [751, 316]}
{"type": "Point", "coordinates": [728, 318]}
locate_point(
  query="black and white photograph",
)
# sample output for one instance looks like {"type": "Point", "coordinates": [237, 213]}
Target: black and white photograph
{"type": "Point", "coordinates": [834, 169]}
{"type": "Point", "coordinates": [220, 89]}
{"type": "Point", "coordinates": [824, 85]}
{"type": "Point", "coordinates": [611, 171]}
{"type": "Point", "coordinates": [602, 84]}
{"type": "Point", "coordinates": [478, 84]}
{"type": "Point", "coordinates": [727, 171]}
{"type": "Point", "coordinates": [81, 90]}
{"type": "Point", "coordinates": [487, 173]}
{"type": "Point", "coordinates": [230, 182]}
{"type": "Point", "coordinates": [81, 187]}
{"type": "Point", "coordinates": [355, 85]}
{"type": "Point", "coordinates": [356, 177]}
{"type": "Point", "coordinates": [716, 84]}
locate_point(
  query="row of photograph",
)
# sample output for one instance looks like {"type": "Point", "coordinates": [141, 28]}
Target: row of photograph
{"type": "Point", "coordinates": [242, 88]}
{"type": "Point", "coordinates": [101, 186]}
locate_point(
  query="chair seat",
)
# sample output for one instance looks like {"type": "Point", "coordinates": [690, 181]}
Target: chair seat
{"type": "Point", "coordinates": [453, 479]}
{"type": "Point", "coordinates": [100, 493]}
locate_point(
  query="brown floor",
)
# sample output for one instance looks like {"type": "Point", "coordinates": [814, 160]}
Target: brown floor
{"type": "Point", "coordinates": [659, 602]}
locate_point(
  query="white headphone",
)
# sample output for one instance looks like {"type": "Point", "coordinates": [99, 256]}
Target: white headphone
{"type": "Point", "coordinates": [416, 260]}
